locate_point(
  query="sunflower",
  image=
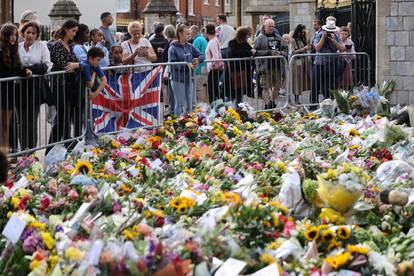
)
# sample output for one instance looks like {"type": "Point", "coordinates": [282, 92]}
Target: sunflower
{"type": "Point", "coordinates": [328, 235]}
{"type": "Point", "coordinates": [182, 208]}
{"type": "Point", "coordinates": [312, 233]}
{"type": "Point", "coordinates": [82, 167]}
{"type": "Point", "coordinates": [343, 232]}
{"type": "Point", "coordinates": [357, 249]}
{"type": "Point", "coordinates": [334, 244]}
{"type": "Point", "coordinates": [337, 261]}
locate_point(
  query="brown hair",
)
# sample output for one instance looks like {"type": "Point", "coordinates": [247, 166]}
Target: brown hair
{"type": "Point", "coordinates": [27, 25]}
{"type": "Point", "coordinates": [4, 167]}
{"type": "Point", "coordinates": [69, 24]}
{"type": "Point", "coordinates": [10, 52]}
{"type": "Point", "coordinates": [211, 29]}
{"type": "Point", "coordinates": [222, 17]}
{"type": "Point", "coordinates": [180, 29]}
{"type": "Point", "coordinates": [345, 29]}
{"type": "Point", "coordinates": [242, 34]}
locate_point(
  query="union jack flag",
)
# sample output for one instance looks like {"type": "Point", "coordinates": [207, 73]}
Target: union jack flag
{"type": "Point", "coordinates": [129, 100]}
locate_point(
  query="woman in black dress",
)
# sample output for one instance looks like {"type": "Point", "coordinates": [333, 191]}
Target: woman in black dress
{"type": "Point", "coordinates": [66, 88]}
{"type": "Point", "coordinates": [10, 66]}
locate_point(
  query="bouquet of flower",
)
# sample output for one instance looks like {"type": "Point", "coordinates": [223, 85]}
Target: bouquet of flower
{"type": "Point", "coordinates": [340, 188]}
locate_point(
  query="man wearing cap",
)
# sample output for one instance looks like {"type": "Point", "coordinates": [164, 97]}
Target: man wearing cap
{"type": "Point", "coordinates": [158, 41]}
{"type": "Point", "coordinates": [325, 73]}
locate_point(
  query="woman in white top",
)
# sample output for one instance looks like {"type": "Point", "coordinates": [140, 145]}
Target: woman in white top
{"type": "Point", "coordinates": [137, 50]}
{"type": "Point", "coordinates": [214, 68]}
{"type": "Point", "coordinates": [35, 56]}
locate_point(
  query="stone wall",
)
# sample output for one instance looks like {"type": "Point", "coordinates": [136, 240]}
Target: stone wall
{"type": "Point", "coordinates": [395, 46]}
{"type": "Point", "coordinates": [302, 12]}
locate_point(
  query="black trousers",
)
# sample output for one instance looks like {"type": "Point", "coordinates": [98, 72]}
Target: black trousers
{"type": "Point", "coordinates": [213, 88]}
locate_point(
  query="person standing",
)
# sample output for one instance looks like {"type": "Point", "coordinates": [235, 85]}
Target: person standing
{"type": "Point", "coordinates": [137, 50]}
{"type": "Point", "coordinates": [158, 42]}
{"type": "Point", "coordinates": [35, 56]}
{"type": "Point", "coordinates": [182, 51]}
{"type": "Point", "coordinates": [241, 71]}
{"type": "Point", "coordinates": [200, 43]}
{"type": "Point", "coordinates": [81, 38]}
{"type": "Point", "coordinates": [214, 68]}
{"type": "Point", "coordinates": [347, 80]}
{"type": "Point", "coordinates": [169, 33]}
{"type": "Point", "coordinates": [106, 22]}
{"type": "Point", "coordinates": [10, 66]}
{"type": "Point", "coordinates": [66, 87]}
{"type": "Point", "coordinates": [325, 71]}
{"type": "Point", "coordinates": [269, 43]}
{"type": "Point", "coordinates": [224, 33]}
{"type": "Point", "coordinates": [97, 40]}
{"type": "Point", "coordinates": [299, 44]}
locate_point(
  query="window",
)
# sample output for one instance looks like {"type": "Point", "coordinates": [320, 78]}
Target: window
{"type": "Point", "coordinates": [217, 3]}
{"type": "Point", "coordinates": [177, 4]}
{"type": "Point", "coordinates": [227, 2]}
{"type": "Point", "coordinates": [205, 2]}
{"type": "Point", "coordinates": [191, 7]}
{"type": "Point", "coordinates": [123, 5]}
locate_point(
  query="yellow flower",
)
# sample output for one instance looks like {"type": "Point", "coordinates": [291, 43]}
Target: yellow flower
{"type": "Point", "coordinates": [189, 171]}
{"type": "Point", "coordinates": [312, 233]}
{"type": "Point", "coordinates": [9, 214]}
{"type": "Point", "coordinates": [236, 131]}
{"type": "Point", "coordinates": [82, 167]}
{"type": "Point", "coordinates": [328, 235]}
{"type": "Point", "coordinates": [334, 244]}
{"type": "Point", "coordinates": [129, 235]}
{"type": "Point", "coordinates": [354, 147]}
{"type": "Point", "coordinates": [281, 166]}
{"type": "Point", "coordinates": [182, 208]}
{"type": "Point", "coordinates": [233, 113]}
{"type": "Point", "coordinates": [54, 259]}
{"type": "Point", "coordinates": [115, 144]}
{"type": "Point", "coordinates": [48, 240]}
{"type": "Point", "coordinates": [30, 178]}
{"type": "Point", "coordinates": [346, 168]}
{"type": "Point", "coordinates": [267, 259]}
{"type": "Point", "coordinates": [73, 254]}
{"type": "Point", "coordinates": [357, 249]}
{"type": "Point", "coordinates": [34, 264]}
{"type": "Point", "coordinates": [343, 232]}
{"type": "Point", "coordinates": [37, 225]}
{"type": "Point", "coordinates": [15, 202]}
{"type": "Point", "coordinates": [97, 151]}
{"type": "Point", "coordinates": [188, 202]}
{"type": "Point", "coordinates": [136, 146]}
{"type": "Point", "coordinates": [232, 198]}
{"type": "Point", "coordinates": [153, 139]}
{"type": "Point", "coordinates": [354, 132]}
{"type": "Point", "coordinates": [331, 174]}
{"type": "Point", "coordinates": [279, 206]}
{"type": "Point", "coordinates": [274, 245]}
{"type": "Point", "coordinates": [125, 188]}
{"type": "Point", "coordinates": [337, 261]}
{"type": "Point", "coordinates": [353, 98]}
{"type": "Point", "coordinates": [180, 159]}
{"type": "Point", "coordinates": [169, 157]}
{"type": "Point", "coordinates": [332, 216]}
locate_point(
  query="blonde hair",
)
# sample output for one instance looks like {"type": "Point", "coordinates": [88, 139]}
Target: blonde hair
{"type": "Point", "coordinates": [134, 24]}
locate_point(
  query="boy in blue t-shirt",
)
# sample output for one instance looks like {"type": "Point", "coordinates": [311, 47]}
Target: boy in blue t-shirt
{"type": "Point", "coordinates": [91, 70]}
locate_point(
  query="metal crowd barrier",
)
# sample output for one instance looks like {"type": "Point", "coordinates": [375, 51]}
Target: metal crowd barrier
{"type": "Point", "coordinates": [41, 112]}
{"type": "Point", "coordinates": [314, 76]}
{"type": "Point", "coordinates": [139, 96]}
{"type": "Point", "coordinates": [260, 81]}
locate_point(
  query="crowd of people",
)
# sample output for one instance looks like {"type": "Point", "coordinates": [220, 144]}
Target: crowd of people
{"type": "Point", "coordinates": [83, 52]}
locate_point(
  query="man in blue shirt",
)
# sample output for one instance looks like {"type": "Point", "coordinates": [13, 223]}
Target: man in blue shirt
{"type": "Point", "coordinates": [325, 69]}
{"type": "Point", "coordinates": [91, 71]}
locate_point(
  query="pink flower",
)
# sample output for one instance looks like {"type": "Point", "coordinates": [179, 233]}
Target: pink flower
{"type": "Point", "coordinates": [52, 186]}
{"type": "Point", "coordinates": [117, 207]}
{"type": "Point", "coordinates": [288, 228]}
{"type": "Point", "coordinates": [73, 195]}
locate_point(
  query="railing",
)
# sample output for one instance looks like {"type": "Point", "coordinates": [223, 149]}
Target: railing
{"type": "Point", "coordinates": [54, 109]}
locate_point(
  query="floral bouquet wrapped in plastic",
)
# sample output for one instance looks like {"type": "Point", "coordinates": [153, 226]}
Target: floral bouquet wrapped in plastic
{"type": "Point", "coordinates": [341, 188]}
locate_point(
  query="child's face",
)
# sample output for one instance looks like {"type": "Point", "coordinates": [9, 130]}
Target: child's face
{"type": "Point", "coordinates": [117, 54]}
{"type": "Point", "coordinates": [95, 61]}
{"type": "Point", "coordinates": [98, 37]}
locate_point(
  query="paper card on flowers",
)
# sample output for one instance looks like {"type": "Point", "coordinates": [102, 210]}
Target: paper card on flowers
{"type": "Point", "coordinates": [268, 270]}
{"type": "Point", "coordinates": [156, 165]}
{"type": "Point", "coordinates": [14, 228]}
{"type": "Point", "coordinates": [231, 267]}
{"type": "Point", "coordinates": [344, 272]}
{"type": "Point", "coordinates": [202, 270]}
{"type": "Point", "coordinates": [22, 183]}
{"type": "Point", "coordinates": [79, 214]}
{"type": "Point", "coordinates": [287, 248]}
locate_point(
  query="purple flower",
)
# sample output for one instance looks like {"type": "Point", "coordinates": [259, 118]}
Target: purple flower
{"type": "Point", "coordinates": [59, 228]}
{"type": "Point", "coordinates": [30, 244]}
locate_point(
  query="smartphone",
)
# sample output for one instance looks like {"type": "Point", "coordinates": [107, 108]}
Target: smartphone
{"type": "Point", "coordinates": [348, 47]}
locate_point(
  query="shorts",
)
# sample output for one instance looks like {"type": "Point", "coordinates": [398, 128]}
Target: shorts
{"type": "Point", "coordinates": [271, 79]}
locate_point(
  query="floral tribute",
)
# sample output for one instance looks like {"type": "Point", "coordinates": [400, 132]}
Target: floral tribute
{"type": "Point", "coordinates": [230, 193]}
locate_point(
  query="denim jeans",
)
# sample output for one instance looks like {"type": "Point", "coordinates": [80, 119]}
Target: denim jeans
{"type": "Point", "coordinates": [183, 95]}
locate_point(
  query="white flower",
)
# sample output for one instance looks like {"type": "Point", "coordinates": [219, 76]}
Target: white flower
{"type": "Point", "coordinates": [381, 263]}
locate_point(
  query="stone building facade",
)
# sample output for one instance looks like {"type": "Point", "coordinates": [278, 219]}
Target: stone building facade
{"type": "Point", "coordinates": [5, 11]}
{"type": "Point", "coordinates": [395, 47]}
